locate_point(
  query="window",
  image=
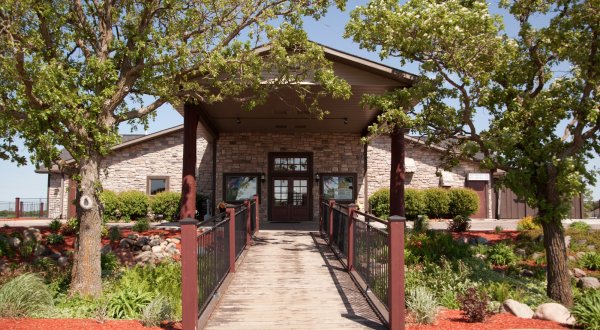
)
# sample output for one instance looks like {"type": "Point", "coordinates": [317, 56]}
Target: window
{"type": "Point", "coordinates": [290, 164]}
{"type": "Point", "coordinates": [157, 184]}
{"type": "Point", "coordinates": [239, 187]}
{"type": "Point", "coordinates": [338, 186]}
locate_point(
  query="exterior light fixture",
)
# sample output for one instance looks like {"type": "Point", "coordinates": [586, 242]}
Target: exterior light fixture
{"type": "Point", "coordinates": [317, 177]}
{"type": "Point", "coordinates": [262, 177]}
{"type": "Point", "coordinates": [238, 120]}
{"type": "Point", "coordinates": [345, 120]}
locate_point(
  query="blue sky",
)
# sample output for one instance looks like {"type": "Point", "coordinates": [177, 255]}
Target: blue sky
{"type": "Point", "coordinates": [23, 182]}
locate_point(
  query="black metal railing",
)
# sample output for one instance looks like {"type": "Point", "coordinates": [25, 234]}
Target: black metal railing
{"type": "Point", "coordinates": [324, 218]}
{"type": "Point", "coordinates": [27, 208]}
{"type": "Point", "coordinates": [240, 230]}
{"type": "Point", "coordinates": [339, 237]}
{"type": "Point", "coordinates": [213, 257]}
{"type": "Point", "coordinates": [253, 217]}
{"type": "Point", "coordinates": [371, 253]}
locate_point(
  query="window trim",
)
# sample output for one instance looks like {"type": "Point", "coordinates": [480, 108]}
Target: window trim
{"type": "Point", "coordinates": [354, 176]}
{"type": "Point", "coordinates": [251, 174]}
{"type": "Point", "coordinates": [156, 177]}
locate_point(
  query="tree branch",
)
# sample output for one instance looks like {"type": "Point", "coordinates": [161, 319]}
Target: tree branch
{"type": "Point", "coordinates": [141, 112]}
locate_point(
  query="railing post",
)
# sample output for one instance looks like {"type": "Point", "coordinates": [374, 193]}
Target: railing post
{"type": "Point", "coordinates": [256, 220]}
{"type": "Point", "coordinates": [330, 229]}
{"type": "Point", "coordinates": [248, 223]}
{"type": "Point", "coordinates": [396, 272]}
{"type": "Point", "coordinates": [189, 272]}
{"type": "Point", "coordinates": [41, 209]}
{"type": "Point", "coordinates": [17, 207]}
{"type": "Point", "coordinates": [351, 210]}
{"type": "Point", "coordinates": [231, 213]}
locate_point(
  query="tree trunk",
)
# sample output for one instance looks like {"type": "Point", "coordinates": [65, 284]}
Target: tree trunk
{"type": "Point", "coordinates": [559, 281]}
{"type": "Point", "coordinates": [86, 274]}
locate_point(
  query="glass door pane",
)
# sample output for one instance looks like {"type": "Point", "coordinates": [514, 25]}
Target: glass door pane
{"type": "Point", "coordinates": [300, 189]}
{"type": "Point", "coordinates": [280, 192]}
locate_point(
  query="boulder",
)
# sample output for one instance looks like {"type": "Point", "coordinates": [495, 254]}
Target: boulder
{"type": "Point", "coordinates": [32, 234]}
{"type": "Point", "coordinates": [144, 256]}
{"type": "Point", "coordinates": [55, 255]}
{"type": "Point", "coordinates": [572, 258]}
{"type": "Point", "coordinates": [133, 236]}
{"type": "Point", "coordinates": [579, 255]}
{"type": "Point", "coordinates": [157, 249]}
{"type": "Point", "coordinates": [588, 283]}
{"type": "Point", "coordinates": [14, 242]}
{"type": "Point", "coordinates": [536, 255]}
{"type": "Point", "coordinates": [521, 252]}
{"type": "Point", "coordinates": [126, 242]}
{"type": "Point", "coordinates": [174, 240]}
{"type": "Point", "coordinates": [554, 312]}
{"type": "Point", "coordinates": [581, 241]}
{"type": "Point", "coordinates": [517, 309]}
{"type": "Point", "coordinates": [41, 250]}
{"type": "Point", "coordinates": [105, 249]}
{"type": "Point", "coordinates": [567, 241]}
{"type": "Point", "coordinates": [146, 248]}
{"type": "Point", "coordinates": [591, 247]}
{"type": "Point", "coordinates": [62, 261]}
{"type": "Point", "coordinates": [154, 241]}
{"type": "Point", "coordinates": [527, 273]}
{"type": "Point", "coordinates": [578, 273]}
{"type": "Point", "coordinates": [141, 241]}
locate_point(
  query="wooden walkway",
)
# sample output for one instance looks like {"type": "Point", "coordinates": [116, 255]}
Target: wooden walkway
{"type": "Point", "coordinates": [291, 280]}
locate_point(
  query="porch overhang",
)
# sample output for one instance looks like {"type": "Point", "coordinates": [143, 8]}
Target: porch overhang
{"type": "Point", "coordinates": [284, 112]}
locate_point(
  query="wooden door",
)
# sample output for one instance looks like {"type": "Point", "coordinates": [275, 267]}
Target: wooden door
{"type": "Point", "coordinates": [481, 189]}
{"type": "Point", "coordinates": [290, 199]}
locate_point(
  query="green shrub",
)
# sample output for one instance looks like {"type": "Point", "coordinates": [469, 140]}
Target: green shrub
{"type": "Point", "coordinates": [528, 223]}
{"type": "Point", "coordinates": [134, 204]}
{"type": "Point", "coordinates": [112, 205]}
{"type": "Point", "coordinates": [55, 225]}
{"type": "Point", "coordinates": [459, 224]}
{"type": "Point", "coordinates": [71, 227]}
{"type": "Point", "coordinates": [379, 203]}
{"type": "Point", "coordinates": [433, 246]}
{"type": "Point", "coordinates": [55, 238]}
{"type": "Point", "coordinates": [587, 310]}
{"type": "Point", "coordinates": [24, 295]}
{"type": "Point", "coordinates": [502, 255]}
{"type": "Point", "coordinates": [157, 310]}
{"type": "Point", "coordinates": [590, 260]}
{"type": "Point", "coordinates": [437, 201]}
{"type": "Point", "coordinates": [499, 291]}
{"type": "Point", "coordinates": [414, 203]}
{"type": "Point", "coordinates": [463, 201]}
{"type": "Point", "coordinates": [114, 233]}
{"type": "Point", "coordinates": [109, 262]}
{"type": "Point", "coordinates": [422, 304]}
{"type": "Point", "coordinates": [27, 248]}
{"type": "Point", "coordinates": [498, 229]}
{"type": "Point", "coordinates": [141, 225]}
{"type": "Point", "coordinates": [5, 248]}
{"type": "Point", "coordinates": [166, 204]}
{"type": "Point", "coordinates": [474, 305]}
{"type": "Point", "coordinates": [128, 304]}
{"type": "Point", "coordinates": [421, 224]}
{"type": "Point", "coordinates": [580, 226]}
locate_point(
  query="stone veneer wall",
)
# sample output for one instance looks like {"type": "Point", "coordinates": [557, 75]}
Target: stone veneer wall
{"type": "Point", "coordinates": [249, 152]}
{"type": "Point", "coordinates": [128, 168]}
{"type": "Point", "coordinates": [56, 196]}
{"type": "Point", "coordinates": [426, 161]}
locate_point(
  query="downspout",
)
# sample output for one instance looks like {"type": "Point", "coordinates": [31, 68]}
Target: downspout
{"type": "Point", "coordinates": [366, 178]}
{"type": "Point", "coordinates": [214, 176]}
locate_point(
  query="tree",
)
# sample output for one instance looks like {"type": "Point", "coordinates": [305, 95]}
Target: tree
{"type": "Point", "coordinates": [72, 71]}
{"type": "Point", "coordinates": [529, 85]}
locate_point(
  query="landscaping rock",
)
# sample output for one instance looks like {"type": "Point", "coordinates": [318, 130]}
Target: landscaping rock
{"type": "Point", "coordinates": [588, 283]}
{"type": "Point", "coordinates": [581, 241]}
{"type": "Point", "coordinates": [579, 255]}
{"type": "Point", "coordinates": [30, 234]}
{"type": "Point", "coordinates": [146, 248]}
{"type": "Point", "coordinates": [591, 247]}
{"type": "Point", "coordinates": [105, 249]}
{"type": "Point", "coordinates": [133, 236]}
{"type": "Point", "coordinates": [157, 249]}
{"type": "Point", "coordinates": [63, 261]}
{"type": "Point", "coordinates": [478, 240]}
{"type": "Point", "coordinates": [154, 242]}
{"type": "Point", "coordinates": [41, 250]}
{"type": "Point", "coordinates": [517, 309]}
{"type": "Point", "coordinates": [173, 240]}
{"type": "Point", "coordinates": [480, 256]}
{"type": "Point", "coordinates": [461, 240]}
{"type": "Point", "coordinates": [14, 242]}
{"type": "Point", "coordinates": [578, 273]}
{"type": "Point", "coordinates": [126, 242]}
{"type": "Point", "coordinates": [145, 256]}
{"type": "Point", "coordinates": [554, 312]}
{"type": "Point", "coordinates": [567, 241]}
{"type": "Point", "coordinates": [536, 255]}
{"type": "Point", "coordinates": [55, 255]}
{"type": "Point", "coordinates": [141, 241]}
{"type": "Point", "coordinates": [572, 258]}
{"type": "Point", "coordinates": [539, 238]}
{"type": "Point", "coordinates": [527, 273]}
{"type": "Point", "coordinates": [521, 252]}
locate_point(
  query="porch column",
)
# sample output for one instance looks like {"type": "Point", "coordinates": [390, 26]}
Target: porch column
{"type": "Point", "coordinates": [188, 188]}
{"type": "Point", "coordinates": [396, 233]}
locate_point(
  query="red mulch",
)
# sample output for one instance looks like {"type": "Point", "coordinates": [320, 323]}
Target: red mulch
{"type": "Point", "coordinates": [491, 236]}
{"type": "Point", "coordinates": [77, 324]}
{"type": "Point", "coordinates": [453, 320]}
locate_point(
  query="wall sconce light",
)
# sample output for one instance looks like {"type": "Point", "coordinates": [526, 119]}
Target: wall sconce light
{"type": "Point", "coordinates": [238, 120]}
{"type": "Point", "coordinates": [345, 120]}
{"type": "Point", "coordinates": [317, 177]}
{"type": "Point", "coordinates": [262, 177]}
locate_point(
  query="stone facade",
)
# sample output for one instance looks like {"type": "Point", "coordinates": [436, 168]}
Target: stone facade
{"type": "Point", "coordinates": [128, 168]}
{"type": "Point", "coordinates": [249, 152]}
{"type": "Point", "coordinates": [427, 162]}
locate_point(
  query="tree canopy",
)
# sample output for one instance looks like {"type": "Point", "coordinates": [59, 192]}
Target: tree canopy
{"type": "Point", "coordinates": [539, 89]}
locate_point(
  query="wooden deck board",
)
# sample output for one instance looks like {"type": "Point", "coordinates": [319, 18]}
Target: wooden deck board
{"type": "Point", "coordinates": [291, 280]}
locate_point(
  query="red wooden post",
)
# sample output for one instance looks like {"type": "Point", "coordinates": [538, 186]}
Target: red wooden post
{"type": "Point", "coordinates": [41, 209]}
{"type": "Point", "coordinates": [396, 272]}
{"type": "Point", "coordinates": [231, 213]}
{"type": "Point", "coordinates": [330, 229]}
{"type": "Point", "coordinates": [188, 189]}
{"type": "Point", "coordinates": [351, 210]}
{"type": "Point", "coordinates": [256, 220]}
{"type": "Point", "coordinates": [248, 223]}
{"type": "Point", "coordinates": [189, 273]}
{"type": "Point", "coordinates": [17, 207]}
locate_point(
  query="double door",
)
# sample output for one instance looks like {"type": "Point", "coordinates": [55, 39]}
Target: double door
{"type": "Point", "coordinates": [290, 198]}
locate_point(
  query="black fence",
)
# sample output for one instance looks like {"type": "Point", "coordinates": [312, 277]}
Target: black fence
{"type": "Point", "coordinates": [24, 208]}
{"type": "Point", "coordinates": [339, 237]}
{"type": "Point", "coordinates": [240, 230]}
{"type": "Point", "coordinates": [213, 257]}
